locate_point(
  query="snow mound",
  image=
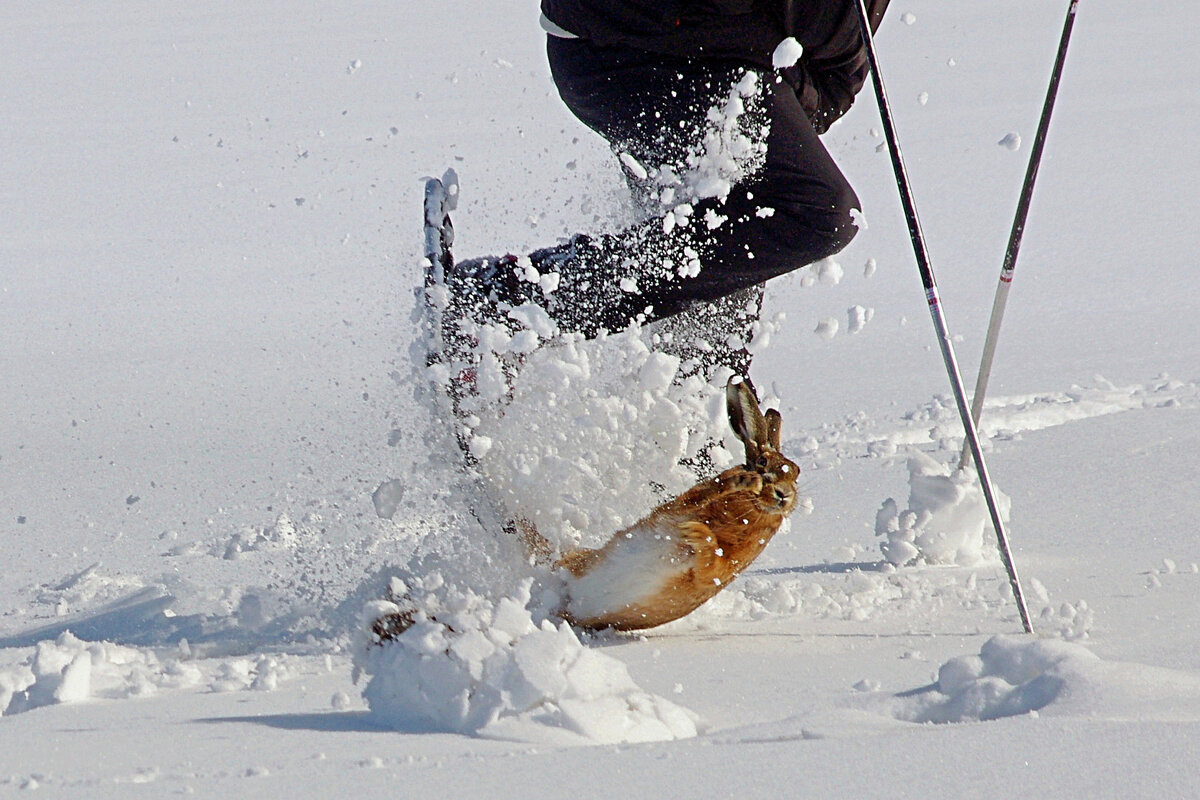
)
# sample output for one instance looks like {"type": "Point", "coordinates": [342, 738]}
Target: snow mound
{"type": "Point", "coordinates": [1013, 676]}
{"type": "Point", "coordinates": [471, 666]}
{"type": "Point", "coordinates": [946, 522]}
{"type": "Point", "coordinates": [68, 670]}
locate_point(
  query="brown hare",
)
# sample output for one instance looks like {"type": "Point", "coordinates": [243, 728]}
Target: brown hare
{"type": "Point", "coordinates": [687, 549]}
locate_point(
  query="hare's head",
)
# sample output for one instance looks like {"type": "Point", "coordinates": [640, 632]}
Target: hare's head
{"type": "Point", "coordinates": [760, 435]}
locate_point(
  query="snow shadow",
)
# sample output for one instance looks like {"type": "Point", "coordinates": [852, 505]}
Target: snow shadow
{"type": "Point", "coordinates": [144, 619]}
{"type": "Point", "coordinates": [319, 722]}
{"type": "Point", "coordinates": [830, 568]}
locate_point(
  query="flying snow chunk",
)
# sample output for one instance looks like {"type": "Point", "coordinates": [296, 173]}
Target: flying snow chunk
{"type": "Point", "coordinates": [829, 272]}
{"type": "Point", "coordinates": [859, 317]}
{"type": "Point", "coordinates": [1011, 140]}
{"type": "Point", "coordinates": [635, 168]}
{"type": "Point", "coordinates": [480, 445]}
{"type": "Point", "coordinates": [827, 328]}
{"type": "Point", "coordinates": [787, 53]}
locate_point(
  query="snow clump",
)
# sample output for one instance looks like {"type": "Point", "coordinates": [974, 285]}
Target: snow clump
{"type": "Point", "coordinates": [787, 53]}
{"type": "Point", "coordinates": [476, 667]}
{"type": "Point", "coordinates": [947, 519]}
{"type": "Point", "coordinates": [859, 317]}
{"type": "Point", "coordinates": [68, 670]}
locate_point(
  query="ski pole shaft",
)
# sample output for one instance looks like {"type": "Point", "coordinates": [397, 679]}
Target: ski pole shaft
{"type": "Point", "coordinates": [1018, 231]}
{"type": "Point", "coordinates": [935, 310]}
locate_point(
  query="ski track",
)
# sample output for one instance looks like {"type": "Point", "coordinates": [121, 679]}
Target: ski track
{"type": "Point", "coordinates": [1004, 419]}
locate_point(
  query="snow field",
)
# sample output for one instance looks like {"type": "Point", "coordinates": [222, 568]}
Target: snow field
{"type": "Point", "coordinates": [193, 359]}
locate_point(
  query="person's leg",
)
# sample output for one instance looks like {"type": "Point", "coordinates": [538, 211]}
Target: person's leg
{"type": "Point", "coordinates": [788, 211]}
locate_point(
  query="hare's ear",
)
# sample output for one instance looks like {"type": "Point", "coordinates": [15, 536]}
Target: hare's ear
{"type": "Point", "coordinates": [745, 418]}
{"type": "Point", "coordinates": [774, 428]}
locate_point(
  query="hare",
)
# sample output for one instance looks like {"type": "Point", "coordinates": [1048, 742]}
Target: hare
{"type": "Point", "coordinates": [688, 549]}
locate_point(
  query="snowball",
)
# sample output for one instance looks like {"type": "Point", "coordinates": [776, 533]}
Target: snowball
{"type": "Point", "coordinates": [787, 53]}
{"type": "Point", "coordinates": [549, 282]}
{"type": "Point", "coordinates": [829, 272]}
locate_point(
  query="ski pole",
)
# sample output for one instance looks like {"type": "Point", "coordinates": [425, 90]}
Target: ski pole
{"type": "Point", "coordinates": [1018, 230]}
{"type": "Point", "coordinates": [935, 310]}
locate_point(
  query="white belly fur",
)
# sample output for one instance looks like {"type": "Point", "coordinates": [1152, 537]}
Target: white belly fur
{"type": "Point", "coordinates": [637, 564]}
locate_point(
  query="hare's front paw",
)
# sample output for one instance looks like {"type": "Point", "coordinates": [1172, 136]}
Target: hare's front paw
{"type": "Point", "coordinates": [742, 480]}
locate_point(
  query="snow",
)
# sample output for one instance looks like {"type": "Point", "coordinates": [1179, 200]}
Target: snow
{"type": "Point", "coordinates": [1011, 140]}
{"type": "Point", "coordinates": [946, 520]}
{"type": "Point", "coordinates": [787, 53]}
{"type": "Point", "coordinates": [488, 670]}
{"type": "Point", "coordinates": [216, 452]}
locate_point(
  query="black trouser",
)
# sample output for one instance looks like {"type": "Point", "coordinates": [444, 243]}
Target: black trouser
{"type": "Point", "coordinates": [792, 210]}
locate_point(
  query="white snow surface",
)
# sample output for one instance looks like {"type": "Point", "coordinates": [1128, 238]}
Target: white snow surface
{"type": "Point", "coordinates": [217, 448]}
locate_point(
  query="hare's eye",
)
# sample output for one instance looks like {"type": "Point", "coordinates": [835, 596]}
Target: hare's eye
{"type": "Point", "coordinates": [761, 462]}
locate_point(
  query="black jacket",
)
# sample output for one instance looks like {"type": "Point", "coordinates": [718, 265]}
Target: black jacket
{"type": "Point", "coordinates": [829, 75]}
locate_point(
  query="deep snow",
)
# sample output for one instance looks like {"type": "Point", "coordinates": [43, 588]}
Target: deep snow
{"type": "Point", "coordinates": [208, 250]}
